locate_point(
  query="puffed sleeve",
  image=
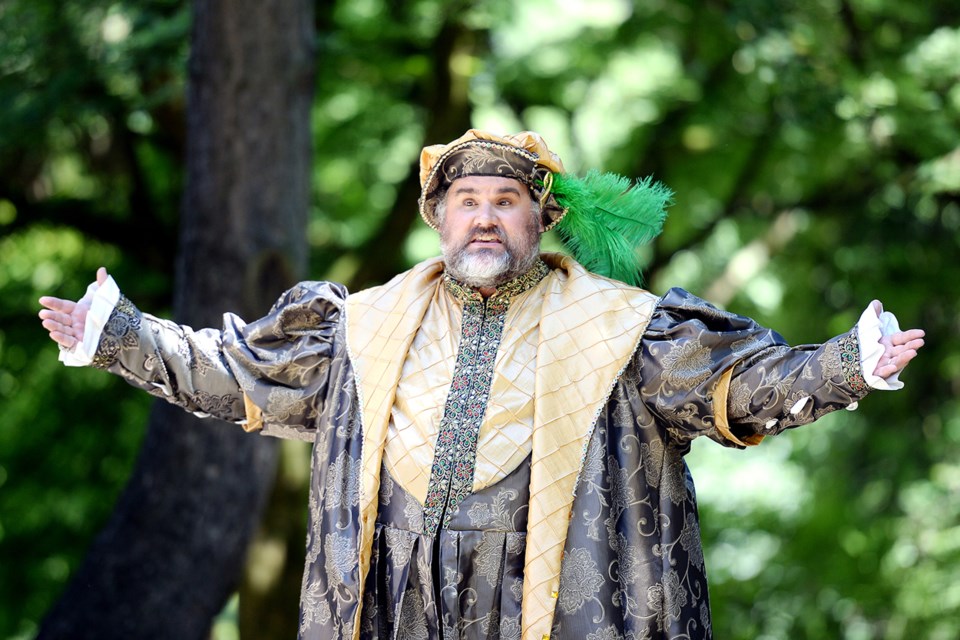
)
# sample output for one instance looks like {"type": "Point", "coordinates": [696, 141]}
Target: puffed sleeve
{"type": "Point", "coordinates": [273, 371]}
{"type": "Point", "coordinates": [705, 371]}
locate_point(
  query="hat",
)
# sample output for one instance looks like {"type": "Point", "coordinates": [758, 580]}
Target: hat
{"type": "Point", "coordinates": [522, 156]}
{"type": "Point", "coordinates": [603, 218]}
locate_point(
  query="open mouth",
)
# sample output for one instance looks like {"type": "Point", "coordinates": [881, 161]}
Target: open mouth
{"type": "Point", "coordinates": [486, 238]}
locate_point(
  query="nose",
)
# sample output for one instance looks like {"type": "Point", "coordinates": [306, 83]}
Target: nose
{"type": "Point", "coordinates": [485, 212]}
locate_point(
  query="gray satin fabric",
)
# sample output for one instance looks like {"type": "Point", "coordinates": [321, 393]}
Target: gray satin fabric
{"type": "Point", "coordinates": [633, 565]}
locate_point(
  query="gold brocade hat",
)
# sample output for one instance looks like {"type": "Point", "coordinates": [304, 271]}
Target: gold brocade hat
{"type": "Point", "coordinates": [522, 156]}
{"type": "Point", "coordinates": [602, 218]}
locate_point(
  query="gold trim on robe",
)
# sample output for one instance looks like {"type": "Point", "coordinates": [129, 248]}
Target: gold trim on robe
{"type": "Point", "coordinates": [254, 420]}
{"type": "Point", "coordinates": [589, 330]}
{"type": "Point", "coordinates": [381, 323]}
{"type": "Point", "coordinates": [720, 395]}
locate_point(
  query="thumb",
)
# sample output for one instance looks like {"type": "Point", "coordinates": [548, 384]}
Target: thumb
{"type": "Point", "coordinates": [101, 275]}
{"type": "Point", "coordinates": [877, 307]}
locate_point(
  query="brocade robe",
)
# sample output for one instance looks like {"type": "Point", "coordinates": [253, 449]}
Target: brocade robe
{"type": "Point", "coordinates": [495, 469]}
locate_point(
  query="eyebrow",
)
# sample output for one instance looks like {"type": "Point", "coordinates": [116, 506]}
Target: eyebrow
{"type": "Point", "coordinates": [472, 191]}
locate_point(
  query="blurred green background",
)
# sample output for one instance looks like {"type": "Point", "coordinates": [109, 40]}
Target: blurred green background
{"type": "Point", "coordinates": [814, 147]}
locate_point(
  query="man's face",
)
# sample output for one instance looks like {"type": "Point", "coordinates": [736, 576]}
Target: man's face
{"type": "Point", "coordinates": [490, 231]}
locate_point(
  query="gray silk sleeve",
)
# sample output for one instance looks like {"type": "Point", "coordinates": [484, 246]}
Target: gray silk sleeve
{"type": "Point", "coordinates": [709, 372]}
{"type": "Point", "coordinates": [276, 367]}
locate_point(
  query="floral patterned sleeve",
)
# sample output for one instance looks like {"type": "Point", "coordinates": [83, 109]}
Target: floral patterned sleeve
{"type": "Point", "coordinates": [705, 371]}
{"type": "Point", "coordinates": [273, 370]}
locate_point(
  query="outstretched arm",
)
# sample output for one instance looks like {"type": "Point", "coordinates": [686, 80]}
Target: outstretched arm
{"type": "Point", "coordinates": [168, 360]}
{"type": "Point", "coordinates": [269, 374]}
{"type": "Point", "coordinates": [710, 372]}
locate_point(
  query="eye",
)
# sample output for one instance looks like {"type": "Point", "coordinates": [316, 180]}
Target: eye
{"type": "Point", "coordinates": [505, 202]}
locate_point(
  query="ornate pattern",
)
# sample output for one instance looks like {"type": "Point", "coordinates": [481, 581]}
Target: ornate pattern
{"type": "Point", "coordinates": [580, 578]}
{"type": "Point", "coordinates": [488, 158]}
{"type": "Point", "coordinates": [119, 334]}
{"type": "Point", "coordinates": [850, 363]}
{"type": "Point", "coordinates": [451, 477]}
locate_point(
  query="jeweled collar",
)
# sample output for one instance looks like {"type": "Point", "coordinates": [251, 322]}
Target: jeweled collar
{"type": "Point", "coordinates": [504, 292]}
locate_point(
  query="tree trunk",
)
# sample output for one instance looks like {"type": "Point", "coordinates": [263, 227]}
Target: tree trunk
{"type": "Point", "coordinates": [174, 548]}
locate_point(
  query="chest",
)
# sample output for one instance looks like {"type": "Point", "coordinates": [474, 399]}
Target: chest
{"type": "Point", "coordinates": [470, 371]}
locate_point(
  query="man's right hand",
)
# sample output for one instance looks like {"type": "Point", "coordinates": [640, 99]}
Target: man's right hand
{"type": "Point", "coordinates": [64, 319]}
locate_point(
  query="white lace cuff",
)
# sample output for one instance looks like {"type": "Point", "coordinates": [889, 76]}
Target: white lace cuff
{"type": "Point", "coordinates": [870, 329]}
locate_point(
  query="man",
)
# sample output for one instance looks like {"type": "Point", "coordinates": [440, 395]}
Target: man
{"type": "Point", "coordinates": [498, 434]}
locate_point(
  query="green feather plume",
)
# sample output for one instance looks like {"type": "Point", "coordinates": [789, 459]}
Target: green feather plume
{"type": "Point", "coordinates": [609, 218]}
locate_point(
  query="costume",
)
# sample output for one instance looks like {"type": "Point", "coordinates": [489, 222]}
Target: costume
{"type": "Point", "coordinates": [495, 468]}
{"type": "Point", "coordinates": [631, 564]}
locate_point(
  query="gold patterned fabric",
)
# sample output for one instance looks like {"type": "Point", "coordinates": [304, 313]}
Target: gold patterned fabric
{"type": "Point", "coordinates": [593, 535]}
{"type": "Point", "coordinates": [503, 440]}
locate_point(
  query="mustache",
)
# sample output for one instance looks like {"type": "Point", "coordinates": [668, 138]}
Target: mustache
{"type": "Point", "coordinates": [486, 233]}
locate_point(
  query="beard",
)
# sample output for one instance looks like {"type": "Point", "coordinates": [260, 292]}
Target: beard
{"type": "Point", "coordinates": [490, 267]}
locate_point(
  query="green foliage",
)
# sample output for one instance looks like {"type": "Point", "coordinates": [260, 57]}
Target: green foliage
{"type": "Point", "coordinates": [813, 151]}
{"type": "Point", "coordinates": [69, 436]}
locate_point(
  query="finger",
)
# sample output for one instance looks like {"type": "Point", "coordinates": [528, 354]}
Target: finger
{"type": "Point", "coordinates": [877, 307]}
{"type": "Point", "coordinates": [901, 360]}
{"type": "Point", "coordinates": [101, 275]}
{"type": "Point", "coordinates": [63, 339]}
{"type": "Point", "coordinates": [57, 316]}
{"type": "Point", "coordinates": [894, 364]}
{"type": "Point", "coordinates": [903, 337]}
{"type": "Point", "coordinates": [56, 327]}
{"type": "Point", "coordinates": [58, 304]}
{"type": "Point", "coordinates": [885, 371]}
{"type": "Point", "coordinates": [913, 345]}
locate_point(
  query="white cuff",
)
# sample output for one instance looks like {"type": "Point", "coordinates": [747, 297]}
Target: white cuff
{"type": "Point", "coordinates": [103, 298]}
{"type": "Point", "coordinates": [870, 329]}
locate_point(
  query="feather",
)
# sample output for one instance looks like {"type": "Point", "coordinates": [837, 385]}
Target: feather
{"type": "Point", "coordinates": [609, 217]}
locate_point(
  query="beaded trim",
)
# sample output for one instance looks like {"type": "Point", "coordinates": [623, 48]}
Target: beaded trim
{"type": "Point", "coordinates": [451, 477]}
{"type": "Point", "coordinates": [120, 332]}
{"type": "Point", "coordinates": [850, 363]}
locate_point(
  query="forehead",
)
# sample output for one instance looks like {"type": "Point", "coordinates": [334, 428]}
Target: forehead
{"type": "Point", "coordinates": [488, 185]}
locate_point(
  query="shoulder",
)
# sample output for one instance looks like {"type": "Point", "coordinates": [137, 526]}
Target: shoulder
{"type": "Point", "coordinates": [307, 305]}
{"type": "Point", "coordinates": [311, 292]}
{"type": "Point", "coordinates": [679, 308]}
{"type": "Point", "coordinates": [683, 303]}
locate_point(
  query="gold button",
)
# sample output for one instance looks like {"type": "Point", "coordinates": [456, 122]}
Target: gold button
{"type": "Point", "coordinates": [546, 636]}
{"type": "Point", "coordinates": [554, 594]}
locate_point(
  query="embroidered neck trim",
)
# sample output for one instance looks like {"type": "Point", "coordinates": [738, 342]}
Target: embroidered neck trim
{"type": "Point", "coordinates": [505, 292]}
